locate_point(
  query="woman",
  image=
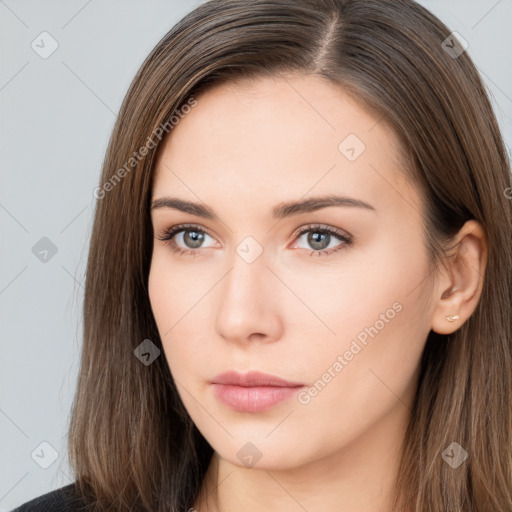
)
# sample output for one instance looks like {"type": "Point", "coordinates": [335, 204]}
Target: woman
{"type": "Point", "coordinates": [298, 285]}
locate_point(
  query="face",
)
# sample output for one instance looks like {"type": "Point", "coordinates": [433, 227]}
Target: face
{"type": "Point", "coordinates": [267, 274]}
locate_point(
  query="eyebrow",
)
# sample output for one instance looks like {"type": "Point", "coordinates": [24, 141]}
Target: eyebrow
{"type": "Point", "coordinates": [279, 212]}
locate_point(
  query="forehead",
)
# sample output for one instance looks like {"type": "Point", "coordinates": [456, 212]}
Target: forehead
{"type": "Point", "coordinates": [276, 137]}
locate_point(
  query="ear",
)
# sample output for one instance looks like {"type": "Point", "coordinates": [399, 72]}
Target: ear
{"type": "Point", "coordinates": [460, 284]}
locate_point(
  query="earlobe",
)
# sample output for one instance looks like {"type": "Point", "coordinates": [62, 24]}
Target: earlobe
{"type": "Point", "coordinates": [460, 283]}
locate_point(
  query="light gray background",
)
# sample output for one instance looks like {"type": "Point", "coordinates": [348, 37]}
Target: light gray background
{"type": "Point", "coordinates": [57, 115]}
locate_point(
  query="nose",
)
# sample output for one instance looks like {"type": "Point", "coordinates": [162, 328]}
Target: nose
{"type": "Point", "coordinates": [248, 305]}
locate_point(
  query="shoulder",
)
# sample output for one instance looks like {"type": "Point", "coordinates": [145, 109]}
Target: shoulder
{"type": "Point", "coordinates": [63, 499]}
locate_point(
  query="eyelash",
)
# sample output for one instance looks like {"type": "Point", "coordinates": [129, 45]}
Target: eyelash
{"type": "Point", "coordinates": [169, 234]}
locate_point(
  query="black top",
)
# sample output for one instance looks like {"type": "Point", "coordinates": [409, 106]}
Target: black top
{"type": "Point", "coordinates": [63, 499]}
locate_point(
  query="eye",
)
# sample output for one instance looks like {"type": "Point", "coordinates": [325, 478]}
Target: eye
{"type": "Point", "coordinates": [189, 236]}
{"type": "Point", "coordinates": [321, 239]}
{"type": "Point", "coordinates": [186, 239]}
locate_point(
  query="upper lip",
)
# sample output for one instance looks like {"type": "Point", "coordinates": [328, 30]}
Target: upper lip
{"type": "Point", "coordinates": [252, 379]}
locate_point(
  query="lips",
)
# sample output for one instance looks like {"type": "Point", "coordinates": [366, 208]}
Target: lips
{"type": "Point", "coordinates": [253, 379]}
{"type": "Point", "coordinates": [253, 391]}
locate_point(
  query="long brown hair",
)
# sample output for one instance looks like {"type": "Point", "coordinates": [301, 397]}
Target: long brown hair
{"type": "Point", "coordinates": [132, 444]}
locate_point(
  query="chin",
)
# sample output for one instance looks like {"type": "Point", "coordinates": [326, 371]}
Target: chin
{"type": "Point", "coordinates": [252, 451]}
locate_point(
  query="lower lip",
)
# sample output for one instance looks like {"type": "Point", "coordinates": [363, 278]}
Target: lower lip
{"type": "Point", "coordinates": [253, 399]}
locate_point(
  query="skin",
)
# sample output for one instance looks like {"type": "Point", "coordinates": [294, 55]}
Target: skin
{"type": "Point", "coordinates": [243, 150]}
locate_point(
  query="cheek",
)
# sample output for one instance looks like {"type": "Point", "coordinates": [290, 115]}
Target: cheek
{"type": "Point", "coordinates": [364, 283]}
{"type": "Point", "coordinates": [172, 293]}
{"type": "Point", "coordinates": [377, 310]}
{"type": "Point", "coordinates": [366, 376]}
{"type": "Point", "coordinates": [177, 308]}
{"type": "Point", "coordinates": [160, 297]}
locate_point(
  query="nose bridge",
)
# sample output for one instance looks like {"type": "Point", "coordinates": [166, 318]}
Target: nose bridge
{"type": "Point", "coordinates": [245, 301]}
{"type": "Point", "coordinates": [246, 280]}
